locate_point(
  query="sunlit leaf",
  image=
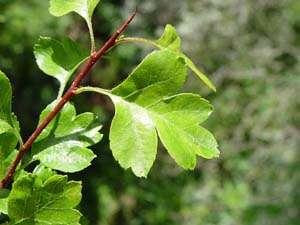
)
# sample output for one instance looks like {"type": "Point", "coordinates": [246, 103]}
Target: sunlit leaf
{"type": "Point", "coordinates": [84, 8]}
{"type": "Point", "coordinates": [59, 59]}
{"type": "Point", "coordinates": [170, 39]}
{"type": "Point", "coordinates": [133, 138]}
{"type": "Point", "coordinates": [6, 96]}
{"type": "Point", "coordinates": [63, 145]}
{"type": "Point", "coordinates": [148, 102]}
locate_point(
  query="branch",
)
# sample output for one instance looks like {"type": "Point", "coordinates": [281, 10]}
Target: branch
{"type": "Point", "coordinates": [65, 98]}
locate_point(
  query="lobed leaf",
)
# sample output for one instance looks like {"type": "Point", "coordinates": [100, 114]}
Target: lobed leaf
{"type": "Point", "coordinates": [63, 145]}
{"type": "Point", "coordinates": [59, 59]}
{"type": "Point", "coordinates": [44, 200]}
{"type": "Point", "coordinates": [148, 102]}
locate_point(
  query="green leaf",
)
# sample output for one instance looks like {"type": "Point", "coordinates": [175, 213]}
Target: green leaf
{"type": "Point", "coordinates": [3, 205]}
{"type": "Point", "coordinates": [201, 75]}
{"type": "Point", "coordinates": [143, 105]}
{"type": "Point", "coordinates": [84, 8]}
{"type": "Point", "coordinates": [59, 59]}
{"type": "Point", "coordinates": [162, 73]}
{"type": "Point", "coordinates": [133, 138]}
{"type": "Point", "coordinates": [171, 40]}
{"type": "Point", "coordinates": [6, 96]}
{"type": "Point", "coordinates": [63, 144]}
{"type": "Point", "coordinates": [8, 141]}
{"type": "Point", "coordinates": [9, 135]}
{"type": "Point", "coordinates": [35, 201]}
{"type": "Point", "coordinates": [194, 139]}
{"type": "Point", "coordinates": [4, 193]}
{"type": "Point", "coordinates": [148, 102]}
{"type": "Point", "coordinates": [43, 172]}
{"type": "Point", "coordinates": [9, 128]}
{"type": "Point", "coordinates": [5, 161]}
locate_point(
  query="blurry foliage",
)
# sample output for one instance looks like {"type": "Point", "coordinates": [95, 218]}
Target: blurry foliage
{"type": "Point", "coordinates": [251, 48]}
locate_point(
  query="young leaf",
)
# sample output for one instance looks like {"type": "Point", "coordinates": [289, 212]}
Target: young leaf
{"type": "Point", "coordinates": [44, 201]}
{"type": "Point", "coordinates": [84, 8]}
{"type": "Point", "coordinates": [170, 40]}
{"type": "Point", "coordinates": [59, 59]}
{"type": "Point", "coordinates": [146, 102]}
{"type": "Point", "coordinates": [63, 144]}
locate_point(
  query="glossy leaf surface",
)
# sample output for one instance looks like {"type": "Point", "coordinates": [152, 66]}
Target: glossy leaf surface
{"type": "Point", "coordinates": [59, 59]}
{"type": "Point", "coordinates": [147, 102]}
{"type": "Point", "coordinates": [63, 145]}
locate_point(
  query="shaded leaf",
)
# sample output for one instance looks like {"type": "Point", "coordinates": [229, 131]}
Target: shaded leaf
{"type": "Point", "coordinates": [9, 128]}
{"type": "Point", "coordinates": [38, 201]}
{"type": "Point", "coordinates": [63, 144]}
{"type": "Point", "coordinates": [4, 193]}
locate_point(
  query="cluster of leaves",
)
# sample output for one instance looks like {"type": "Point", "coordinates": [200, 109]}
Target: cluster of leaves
{"type": "Point", "coordinates": [147, 104]}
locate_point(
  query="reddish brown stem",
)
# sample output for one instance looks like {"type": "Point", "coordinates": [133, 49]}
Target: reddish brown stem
{"type": "Point", "coordinates": [65, 98]}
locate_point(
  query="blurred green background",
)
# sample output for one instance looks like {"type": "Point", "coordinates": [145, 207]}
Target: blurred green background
{"type": "Point", "coordinates": [250, 48]}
